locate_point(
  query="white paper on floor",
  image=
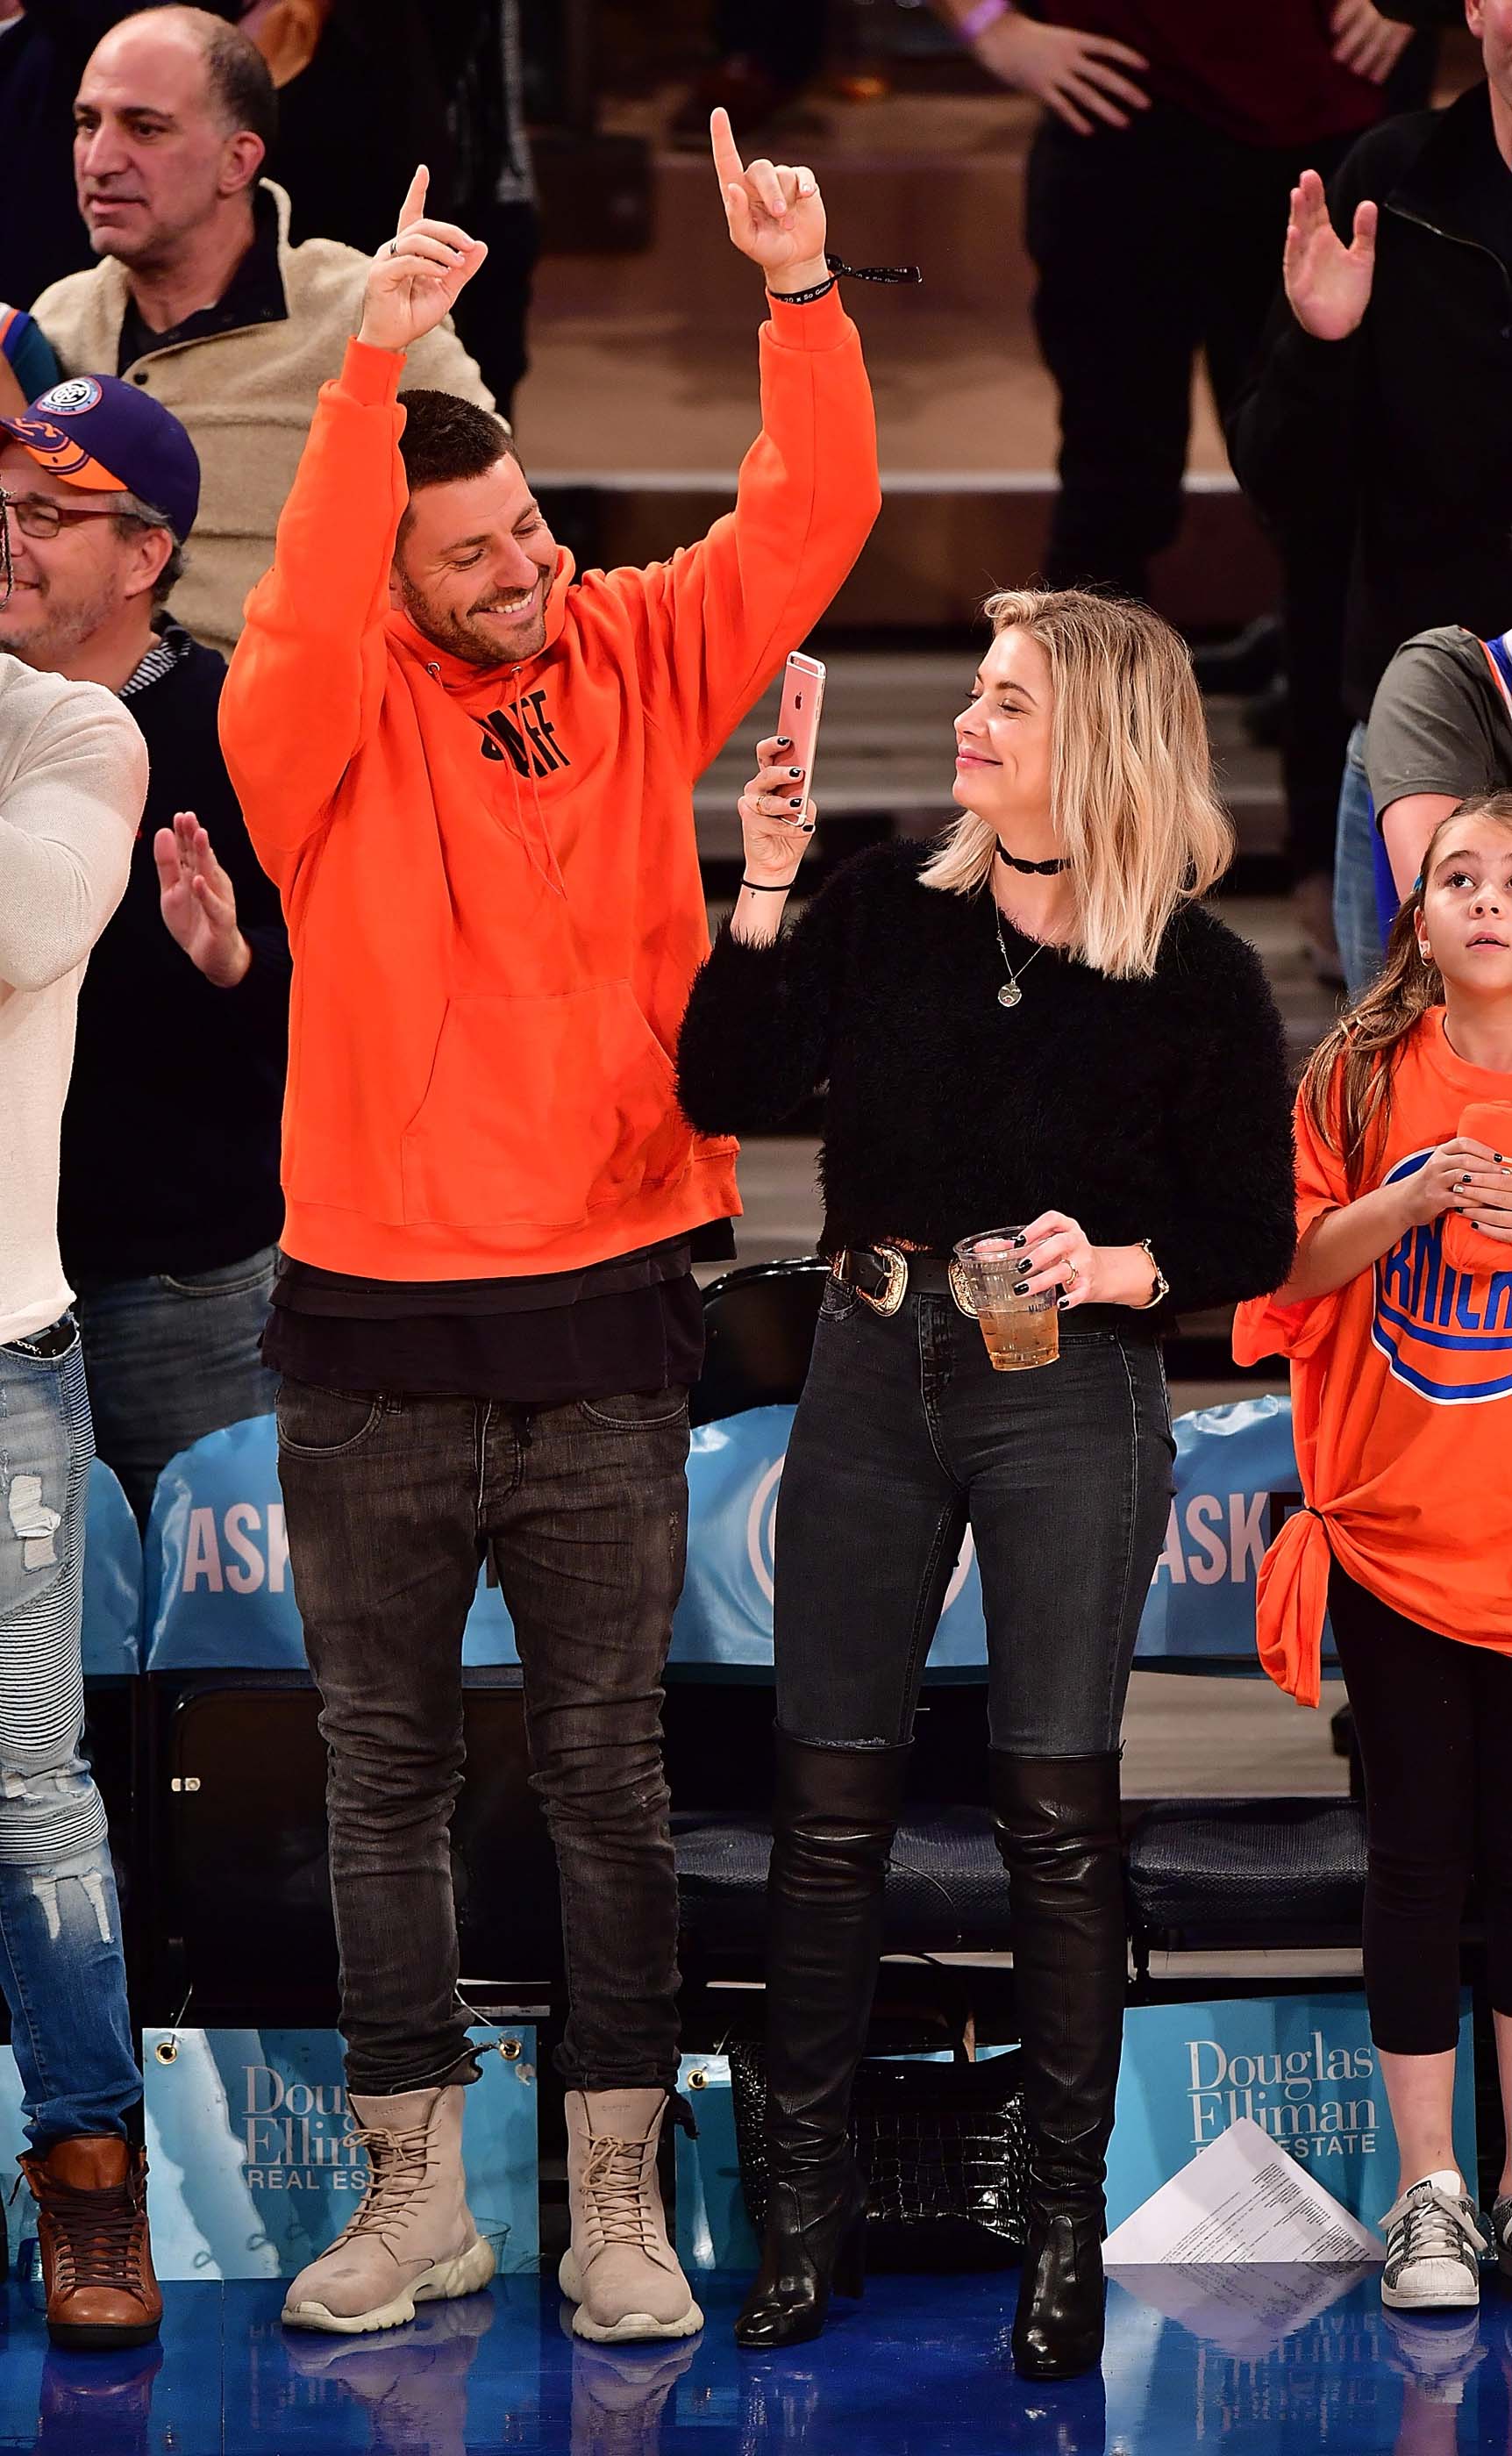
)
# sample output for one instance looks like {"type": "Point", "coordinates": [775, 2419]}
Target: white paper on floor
{"type": "Point", "coordinates": [1241, 2198]}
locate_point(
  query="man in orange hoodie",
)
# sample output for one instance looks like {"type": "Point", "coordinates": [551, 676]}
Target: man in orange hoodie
{"type": "Point", "coordinates": [470, 772]}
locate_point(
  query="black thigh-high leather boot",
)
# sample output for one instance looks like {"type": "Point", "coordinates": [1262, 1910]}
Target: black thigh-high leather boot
{"type": "Point", "coordinates": [1058, 1829]}
{"type": "Point", "coordinates": [835, 1816]}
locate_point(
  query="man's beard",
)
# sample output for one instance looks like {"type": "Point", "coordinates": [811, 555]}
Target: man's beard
{"type": "Point", "coordinates": [460, 638]}
{"type": "Point", "coordinates": [43, 635]}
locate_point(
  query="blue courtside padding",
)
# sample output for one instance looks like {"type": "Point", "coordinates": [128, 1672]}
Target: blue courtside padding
{"type": "Point", "coordinates": [219, 1592]}
{"type": "Point", "coordinates": [1236, 1483]}
{"type": "Point", "coordinates": [221, 1597]}
{"type": "Point", "coordinates": [112, 1581]}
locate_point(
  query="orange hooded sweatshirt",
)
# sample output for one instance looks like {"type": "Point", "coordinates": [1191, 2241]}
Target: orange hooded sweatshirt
{"type": "Point", "coordinates": [491, 875]}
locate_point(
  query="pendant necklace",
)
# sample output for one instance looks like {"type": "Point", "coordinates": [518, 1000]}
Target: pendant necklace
{"type": "Point", "coordinates": [1009, 995]}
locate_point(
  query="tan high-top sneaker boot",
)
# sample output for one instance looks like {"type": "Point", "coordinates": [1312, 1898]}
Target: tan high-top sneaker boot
{"type": "Point", "coordinates": [412, 2240]}
{"type": "Point", "coordinates": [621, 2270]}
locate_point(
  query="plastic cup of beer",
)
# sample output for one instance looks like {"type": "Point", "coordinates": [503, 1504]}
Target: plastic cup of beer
{"type": "Point", "coordinates": [1020, 1331]}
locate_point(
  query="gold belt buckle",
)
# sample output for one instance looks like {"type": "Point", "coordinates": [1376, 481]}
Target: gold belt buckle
{"type": "Point", "coordinates": [897, 1287]}
{"type": "Point", "coordinates": [959, 1289]}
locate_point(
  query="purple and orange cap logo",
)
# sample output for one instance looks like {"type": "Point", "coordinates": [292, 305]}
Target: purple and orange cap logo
{"type": "Point", "coordinates": [98, 433]}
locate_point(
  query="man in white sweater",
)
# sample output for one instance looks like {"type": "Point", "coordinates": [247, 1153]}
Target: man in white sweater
{"type": "Point", "coordinates": [73, 782]}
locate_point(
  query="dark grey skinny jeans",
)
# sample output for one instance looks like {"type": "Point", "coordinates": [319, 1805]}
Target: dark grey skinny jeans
{"type": "Point", "coordinates": [390, 1502]}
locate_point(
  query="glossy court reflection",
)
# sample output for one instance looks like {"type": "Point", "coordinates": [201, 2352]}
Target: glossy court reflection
{"type": "Point", "coordinates": [1262, 2361]}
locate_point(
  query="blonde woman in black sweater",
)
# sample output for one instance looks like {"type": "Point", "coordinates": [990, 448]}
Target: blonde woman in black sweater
{"type": "Point", "coordinates": [1033, 1019]}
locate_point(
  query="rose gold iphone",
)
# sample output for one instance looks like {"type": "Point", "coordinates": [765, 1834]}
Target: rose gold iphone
{"type": "Point", "coordinates": [798, 717]}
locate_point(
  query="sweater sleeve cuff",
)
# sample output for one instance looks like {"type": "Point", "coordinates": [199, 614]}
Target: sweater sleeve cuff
{"type": "Point", "coordinates": [821, 325]}
{"type": "Point", "coordinates": [371, 377]}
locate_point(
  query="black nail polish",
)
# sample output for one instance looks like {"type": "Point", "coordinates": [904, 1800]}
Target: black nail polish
{"type": "Point", "coordinates": [795, 773]}
{"type": "Point", "coordinates": [1021, 1240]}
{"type": "Point", "coordinates": [1062, 1303]}
{"type": "Point", "coordinates": [785, 742]}
{"type": "Point", "coordinates": [797, 802]}
{"type": "Point", "coordinates": [1464, 1180]}
{"type": "Point", "coordinates": [1021, 1287]}
{"type": "Point", "coordinates": [1496, 1155]}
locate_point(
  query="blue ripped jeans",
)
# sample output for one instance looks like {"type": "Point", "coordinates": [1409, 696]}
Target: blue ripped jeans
{"type": "Point", "coordinates": [61, 1965]}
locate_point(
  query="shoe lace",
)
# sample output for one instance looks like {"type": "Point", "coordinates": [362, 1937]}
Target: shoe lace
{"type": "Point", "coordinates": [398, 2165]}
{"type": "Point", "coordinates": [1432, 2230]}
{"type": "Point", "coordinates": [97, 2236]}
{"type": "Point", "coordinates": [611, 2179]}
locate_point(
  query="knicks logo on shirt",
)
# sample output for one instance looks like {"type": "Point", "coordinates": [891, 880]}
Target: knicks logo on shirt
{"type": "Point", "coordinates": [1446, 1333]}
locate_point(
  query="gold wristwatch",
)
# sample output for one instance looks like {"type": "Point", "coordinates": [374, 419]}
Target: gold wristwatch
{"type": "Point", "coordinates": [1162, 1286]}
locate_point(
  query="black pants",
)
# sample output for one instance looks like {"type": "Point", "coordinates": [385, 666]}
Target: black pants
{"type": "Point", "coordinates": [1155, 244]}
{"type": "Point", "coordinates": [390, 1502]}
{"type": "Point", "coordinates": [1433, 1719]}
{"type": "Point", "coordinates": [905, 1437]}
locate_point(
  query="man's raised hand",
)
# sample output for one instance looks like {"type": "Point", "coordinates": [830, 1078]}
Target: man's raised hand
{"type": "Point", "coordinates": [1327, 283]}
{"type": "Point", "coordinates": [199, 902]}
{"type": "Point", "coordinates": [776, 215]}
{"type": "Point", "coordinates": [414, 279]}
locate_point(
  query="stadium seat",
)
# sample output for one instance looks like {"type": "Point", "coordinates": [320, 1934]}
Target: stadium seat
{"type": "Point", "coordinates": [759, 1334]}
{"type": "Point", "coordinates": [1241, 1874]}
{"type": "Point", "coordinates": [113, 1663]}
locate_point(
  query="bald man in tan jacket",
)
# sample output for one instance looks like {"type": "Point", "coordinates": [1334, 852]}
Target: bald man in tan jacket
{"type": "Point", "coordinates": [199, 296]}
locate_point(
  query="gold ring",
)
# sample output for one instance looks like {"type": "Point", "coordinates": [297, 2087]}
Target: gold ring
{"type": "Point", "coordinates": [1071, 1273]}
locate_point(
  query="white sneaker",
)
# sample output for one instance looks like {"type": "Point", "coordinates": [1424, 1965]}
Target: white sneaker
{"type": "Point", "coordinates": [1434, 2244]}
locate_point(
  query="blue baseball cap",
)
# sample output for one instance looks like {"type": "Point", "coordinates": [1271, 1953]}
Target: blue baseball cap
{"type": "Point", "coordinates": [96, 431]}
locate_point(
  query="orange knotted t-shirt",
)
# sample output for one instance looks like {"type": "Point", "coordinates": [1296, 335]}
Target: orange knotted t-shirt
{"type": "Point", "coordinates": [1401, 1390]}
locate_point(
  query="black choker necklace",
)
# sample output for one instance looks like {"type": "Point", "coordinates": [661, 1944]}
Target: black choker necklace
{"type": "Point", "coordinates": [1031, 869]}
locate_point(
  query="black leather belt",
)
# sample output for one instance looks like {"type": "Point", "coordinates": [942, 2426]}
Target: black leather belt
{"type": "Point", "coordinates": [884, 1275]}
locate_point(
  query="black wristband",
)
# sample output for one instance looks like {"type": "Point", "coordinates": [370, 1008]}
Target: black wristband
{"type": "Point", "coordinates": [804, 297]}
{"type": "Point", "coordinates": [757, 889]}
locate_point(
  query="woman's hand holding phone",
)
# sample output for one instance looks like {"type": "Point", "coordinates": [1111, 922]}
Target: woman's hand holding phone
{"type": "Point", "coordinates": [777, 822]}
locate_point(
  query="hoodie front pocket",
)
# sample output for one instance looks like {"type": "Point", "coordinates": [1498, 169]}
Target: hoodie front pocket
{"type": "Point", "coordinates": [541, 1110]}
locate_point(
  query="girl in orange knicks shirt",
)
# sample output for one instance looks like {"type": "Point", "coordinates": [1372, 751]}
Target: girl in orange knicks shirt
{"type": "Point", "coordinates": [1398, 1323]}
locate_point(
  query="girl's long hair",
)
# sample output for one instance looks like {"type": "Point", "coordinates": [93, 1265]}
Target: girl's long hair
{"type": "Point", "coordinates": [1131, 791]}
{"type": "Point", "coordinates": [1347, 1085]}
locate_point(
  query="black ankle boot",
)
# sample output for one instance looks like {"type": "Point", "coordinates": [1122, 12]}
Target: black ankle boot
{"type": "Point", "coordinates": [1058, 1829]}
{"type": "Point", "coordinates": [835, 1816]}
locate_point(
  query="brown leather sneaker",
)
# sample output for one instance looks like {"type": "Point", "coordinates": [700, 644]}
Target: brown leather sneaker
{"type": "Point", "coordinates": [97, 2255]}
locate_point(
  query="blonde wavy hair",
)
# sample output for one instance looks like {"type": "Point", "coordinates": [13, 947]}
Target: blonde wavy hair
{"type": "Point", "coordinates": [1131, 791]}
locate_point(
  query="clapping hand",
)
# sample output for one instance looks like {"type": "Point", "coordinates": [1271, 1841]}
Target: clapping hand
{"type": "Point", "coordinates": [415, 279]}
{"type": "Point", "coordinates": [199, 902]}
{"type": "Point", "coordinates": [1327, 283]}
{"type": "Point", "coordinates": [776, 215]}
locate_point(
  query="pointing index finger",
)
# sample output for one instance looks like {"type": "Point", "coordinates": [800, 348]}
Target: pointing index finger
{"type": "Point", "coordinates": [727, 152]}
{"type": "Point", "coordinates": [413, 205]}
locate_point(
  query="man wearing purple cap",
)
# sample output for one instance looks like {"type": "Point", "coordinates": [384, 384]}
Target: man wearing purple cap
{"type": "Point", "coordinates": [169, 1198]}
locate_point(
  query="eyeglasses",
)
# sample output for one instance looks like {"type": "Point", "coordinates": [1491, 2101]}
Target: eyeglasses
{"type": "Point", "coordinates": [39, 517]}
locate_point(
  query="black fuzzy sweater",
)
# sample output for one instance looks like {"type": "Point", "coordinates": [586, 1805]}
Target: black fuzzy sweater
{"type": "Point", "coordinates": [1155, 1108]}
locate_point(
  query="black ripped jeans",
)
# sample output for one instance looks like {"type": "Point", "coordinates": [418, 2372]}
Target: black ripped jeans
{"type": "Point", "coordinates": [905, 1438]}
{"type": "Point", "coordinates": [390, 1503]}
